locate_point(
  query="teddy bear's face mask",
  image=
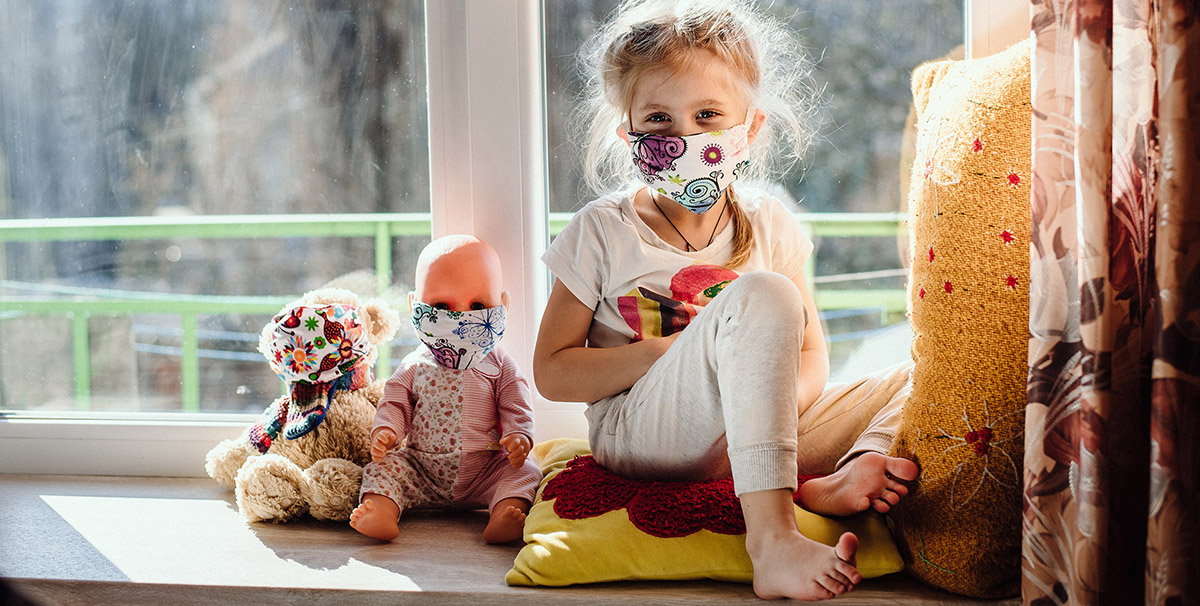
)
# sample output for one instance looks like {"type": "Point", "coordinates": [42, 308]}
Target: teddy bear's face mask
{"type": "Point", "coordinates": [317, 344]}
{"type": "Point", "coordinates": [458, 339]}
{"type": "Point", "coordinates": [316, 350]}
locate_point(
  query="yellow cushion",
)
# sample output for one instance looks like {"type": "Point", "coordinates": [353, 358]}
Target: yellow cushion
{"type": "Point", "coordinates": [561, 551]}
{"type": "Point", "coordinates": [969, 307]}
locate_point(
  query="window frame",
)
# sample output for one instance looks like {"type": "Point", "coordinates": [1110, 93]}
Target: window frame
{"type": "Point", "coordinates": [484, 69]}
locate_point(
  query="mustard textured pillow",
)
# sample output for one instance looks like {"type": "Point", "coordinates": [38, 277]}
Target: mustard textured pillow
{"type": "Point", "coordinates": [610, 547]}
{"type": "Point", "coordinates": [969, 202]}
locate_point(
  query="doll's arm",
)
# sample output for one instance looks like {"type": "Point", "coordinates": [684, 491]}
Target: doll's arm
{"type": "Point", "coordinates": [514, 412]}
{"type": "Point", "coordinates": [393, 415]}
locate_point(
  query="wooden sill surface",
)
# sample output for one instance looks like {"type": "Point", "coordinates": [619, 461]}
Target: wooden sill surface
{"type": "Point", "coordinates": [122, 540]}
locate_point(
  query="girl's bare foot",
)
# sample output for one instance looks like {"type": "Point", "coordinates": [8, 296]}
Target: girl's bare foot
{"type": "Point", "coordinates": [870, 480]}
{"type": "Point", "coordinates": [506, 524]}
{"type": "Point", "coordinates": [376, 517]}
{"type": "Point", "coordinates": [786, 563]}
{"type": "Point", "coordinates": [794, 566]}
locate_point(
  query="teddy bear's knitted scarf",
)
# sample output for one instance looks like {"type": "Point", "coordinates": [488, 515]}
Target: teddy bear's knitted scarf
{"type": "Point", "coordinates": [304, 408]}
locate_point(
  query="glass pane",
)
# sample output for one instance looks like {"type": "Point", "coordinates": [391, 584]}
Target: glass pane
{"type": "Point", "coordinates": [865, 52]}
{"type": "Point", "coordinates": [136, 127]}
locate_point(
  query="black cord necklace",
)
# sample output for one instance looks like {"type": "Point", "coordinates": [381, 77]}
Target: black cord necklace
{"type": "Point", "coordinates": [688, 245]}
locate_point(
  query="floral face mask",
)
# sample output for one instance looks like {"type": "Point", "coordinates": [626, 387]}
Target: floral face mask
{"type": "Point", "coordinates": [458, 339]}
{"type": "Point", "coordinates": [693, 170]}
{"type": "Point", "coordinates": [316, 344]}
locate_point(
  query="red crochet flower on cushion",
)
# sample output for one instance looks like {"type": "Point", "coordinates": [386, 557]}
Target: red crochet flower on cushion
{"type": "Point", "coordinates": [586, 489]}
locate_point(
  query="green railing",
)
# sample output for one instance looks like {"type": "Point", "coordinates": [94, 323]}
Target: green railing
{"type": "Point", "coordinates": [79, 304]}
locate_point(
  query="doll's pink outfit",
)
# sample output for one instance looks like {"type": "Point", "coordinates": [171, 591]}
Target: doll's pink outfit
{"type": "Point", "coordinates": [450, 423]}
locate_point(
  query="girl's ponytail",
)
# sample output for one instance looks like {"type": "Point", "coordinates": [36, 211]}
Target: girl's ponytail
{"type": "Point", "coordinates": [743, 233]}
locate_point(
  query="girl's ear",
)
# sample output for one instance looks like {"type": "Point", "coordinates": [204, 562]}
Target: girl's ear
{"type": "Point", "coordinates": [504, 298]}
{"type": "Point", "coordinates": [756, 124]}
{"type": "Point", "coordinates": [622, 133]}
{"type": "Point", "coordinates": [412, 298]}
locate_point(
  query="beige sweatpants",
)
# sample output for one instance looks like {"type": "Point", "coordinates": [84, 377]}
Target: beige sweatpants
{"type": "Point", "coordinates": [722, 400]}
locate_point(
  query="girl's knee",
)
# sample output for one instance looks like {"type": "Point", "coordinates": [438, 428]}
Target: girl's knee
{"type": "Point", "coordinates": [766, 284]}
{"type": "Point", "coordinates": [768, 293]}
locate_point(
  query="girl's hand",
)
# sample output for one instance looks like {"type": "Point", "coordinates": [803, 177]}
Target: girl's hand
{"type": "Point", "coordinates": [518, 448]}
{"type": "Point", "coordinates": [567, 370]}
{"type": "Point", "coordinates": [382, 441]}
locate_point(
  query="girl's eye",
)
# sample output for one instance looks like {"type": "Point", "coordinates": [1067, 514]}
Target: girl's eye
{"type": "Point", "coordinates": [477, 306]}
{"type": "Point", "coordinates": [441, 306]}
{"type": "Point", "coordinates": [707, 114]}
{"type": "Point", "coordinates": [655, 118]}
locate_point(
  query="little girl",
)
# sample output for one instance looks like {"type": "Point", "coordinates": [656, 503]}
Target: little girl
{"type": "Point", "coordinates": [455, 425]}
{"type": "Point", "coordinates": [680, 309]}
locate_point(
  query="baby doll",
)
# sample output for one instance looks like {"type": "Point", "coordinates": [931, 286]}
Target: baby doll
{"type": "Point", "coordinates": [455, 426]}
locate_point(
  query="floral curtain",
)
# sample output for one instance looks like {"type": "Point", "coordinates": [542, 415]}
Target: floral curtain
{"type": "Point", "coordinates": [1112, 464]}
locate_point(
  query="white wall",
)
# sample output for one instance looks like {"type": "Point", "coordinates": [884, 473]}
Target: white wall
{"type": "Point", "coordinates": [994, 25]}
{"type": "Point", "coordinates": [487, 140]}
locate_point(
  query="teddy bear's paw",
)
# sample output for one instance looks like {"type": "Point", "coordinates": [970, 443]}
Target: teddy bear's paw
{"type": "Point", "coordinates": [225, 459]}
{"type": "Point", "coordinates": [331, 488]}
{"type": "Point", "coordinates": [270, 489]}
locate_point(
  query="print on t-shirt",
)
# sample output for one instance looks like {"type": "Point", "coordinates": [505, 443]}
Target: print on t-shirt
{"type": "Point", "coordinates": [652, 315]}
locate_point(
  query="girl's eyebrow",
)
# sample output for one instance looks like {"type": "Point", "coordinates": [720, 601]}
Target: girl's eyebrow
{"type": "Point", "coordinates": [661, 107]}
{"type": "Point", "coordinates": [653, 106]}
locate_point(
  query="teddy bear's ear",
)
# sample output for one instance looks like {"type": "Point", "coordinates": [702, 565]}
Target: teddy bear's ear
{"type": "Point", "coordinates": [385, 321]}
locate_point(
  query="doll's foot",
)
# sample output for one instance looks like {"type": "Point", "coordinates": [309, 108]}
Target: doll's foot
{"type": "Point", "coordinates": [870, 480]}
{"type": "Point", "coordinates": [507, 524]}
{"type": "Point", "coordinates": [376, 517]}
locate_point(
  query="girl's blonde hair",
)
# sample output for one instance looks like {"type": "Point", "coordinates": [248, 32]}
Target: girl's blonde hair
{"type": "Point", "coordinates": [642, 35]}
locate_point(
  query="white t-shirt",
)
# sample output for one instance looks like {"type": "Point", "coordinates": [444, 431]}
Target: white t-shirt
{"type": "Point", "coordinates": [641, 287]}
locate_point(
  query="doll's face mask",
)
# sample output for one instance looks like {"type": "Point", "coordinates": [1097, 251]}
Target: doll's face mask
{"type": "Point", "coordinates": [693, 170]}
{"type": "Point", "coordinates": [458, 339]}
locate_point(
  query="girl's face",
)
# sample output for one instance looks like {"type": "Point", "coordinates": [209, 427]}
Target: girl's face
{"type": "Point", "coordinates": [699, 95]}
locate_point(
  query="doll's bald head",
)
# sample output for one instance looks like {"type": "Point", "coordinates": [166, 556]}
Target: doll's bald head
{"type": "Point", "coordinates": [459, 273]}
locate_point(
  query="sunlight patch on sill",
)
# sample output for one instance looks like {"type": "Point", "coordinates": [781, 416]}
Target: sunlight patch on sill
{"type": "Point", "coordinates": [206, 542]}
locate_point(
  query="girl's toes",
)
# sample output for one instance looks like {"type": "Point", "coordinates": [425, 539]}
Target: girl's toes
{"type": "Point", "coordinates": [897, 487]}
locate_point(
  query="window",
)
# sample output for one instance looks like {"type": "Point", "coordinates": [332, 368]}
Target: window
{"type": "Point", "coordinates": [198, 163]}
{"type": "Point", "coordinates": [170, 175]}
{"type": "Point", "coordinates": [136, 136]}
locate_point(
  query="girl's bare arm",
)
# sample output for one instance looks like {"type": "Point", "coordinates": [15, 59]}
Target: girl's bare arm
{"type": "Point", "coordinates": [814, 356]}
{"type": "Point", "coordinates": [566, 370]}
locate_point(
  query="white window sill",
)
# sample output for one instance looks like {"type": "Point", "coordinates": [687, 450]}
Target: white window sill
{"type": "Point", "coordinates": [166, 444]}
{"type": "Point", "coordinates": [159, 445]}
{"type": "Point", "coordinates": [134, 541]}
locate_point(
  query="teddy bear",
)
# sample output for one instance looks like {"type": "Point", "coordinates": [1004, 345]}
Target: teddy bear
{"type": "Point", "coordinates": [306, 452]}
